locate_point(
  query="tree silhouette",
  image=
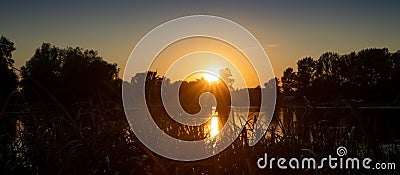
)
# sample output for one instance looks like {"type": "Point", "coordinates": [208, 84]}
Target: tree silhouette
{"type": "Point", "coordinates": [305, 75]}
{"type": "Point", "coordinates": [226, 75]}
{"type": "Point", "coordinates": [9, 82]}
{"type": "Point", "coordinates": [74, 103]}
{"type": "Point", "coordinates": [96, 139]}
{"type": "Point", "coordinates": [288, 82]}
{"type": "Point", "coordinates": [327, 81]}
{"type": "Point", "coordinates": [8, 78]}
{"type": "Point", "coordinates": [41, 71]}
{"type": "Point", "coordinates": [71, 75]}
{"type": "Point", "coordinates": [370, 74]}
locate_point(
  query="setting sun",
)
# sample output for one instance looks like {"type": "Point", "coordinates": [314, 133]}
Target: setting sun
{"type": "Point", "coordinates": [210, 77]}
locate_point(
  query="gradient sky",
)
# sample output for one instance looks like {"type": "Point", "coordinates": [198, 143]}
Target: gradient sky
{"type": "Point", "coordinates": [287, 30]}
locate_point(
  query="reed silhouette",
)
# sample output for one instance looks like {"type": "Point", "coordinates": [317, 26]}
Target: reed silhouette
{"type": "Point", "coordinates": [63, 115]}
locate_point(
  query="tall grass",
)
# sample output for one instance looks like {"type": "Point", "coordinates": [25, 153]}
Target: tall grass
{"type": "Point", "coordinates": [95, 138]}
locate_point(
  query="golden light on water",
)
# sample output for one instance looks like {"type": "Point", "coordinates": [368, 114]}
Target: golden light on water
{"type": "Point", "coordinates": [214, 126]}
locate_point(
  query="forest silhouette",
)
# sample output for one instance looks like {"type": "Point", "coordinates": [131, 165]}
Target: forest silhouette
{"type": "Point", "coordinates": [62, 113]}
{"type": "Point", "coordinates": [370, 74]}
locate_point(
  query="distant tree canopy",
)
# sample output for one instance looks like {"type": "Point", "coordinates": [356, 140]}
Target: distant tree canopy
{"type": "Point", "coordinates": [189, 91]}
{"type": "Point", "coordinates": [226, 75]}
{"type": "Point", "coordinates": [8, 78]}
{"type": "Point", "coordinates": [74, 74]}
{"type": "Point", "coordinates": [159, 91]}
{"type": "Point", "coordinates": [372, 74]}
{"type": "Point", "coordinates": [70, 75]}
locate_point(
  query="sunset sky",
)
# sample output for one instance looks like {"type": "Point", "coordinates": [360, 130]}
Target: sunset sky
{"type": "Point", "coordinates": [288, 30]}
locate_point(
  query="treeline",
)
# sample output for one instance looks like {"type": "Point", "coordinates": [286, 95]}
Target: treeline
{"type": "Point", "coordinates": [67, 75]}
{"type": "Point", "coordinates": [370, 74]}
{"type": "Point", "coordinates": [159, 91]}
{"type": "Point", "coordinates": [70, 74]}
{"type": "Point", "coordinates": [8, 77]}
{"type": "Point", "coordinates": [61, 113]}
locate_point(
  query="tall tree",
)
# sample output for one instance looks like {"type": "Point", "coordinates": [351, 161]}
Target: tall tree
{"type": "Point", "coordinates": [305, 75]}
{"type": "Point", "coordinates": [8, 78]}
{"type": "Point", "coordinates": [327, 65]}
{"type": "Point", "coordinates": [226, 75]}
{"type": "Point", "coordinates": [40, 74]}
{"type": "Point", "coordinates": [289, 84]}
{"type": "Point", "coordinates": [395, 77]}
{"type": "Point", "coordinates": [70, 74]}
{"type": "Point", "coordinates": [367, 74]}
{"type": "Point", "coordinates": [326, 84]}
{"type": "Point", "coordinates": [86, 75]}
{"type": "Point", "coordinates": [9, 83]}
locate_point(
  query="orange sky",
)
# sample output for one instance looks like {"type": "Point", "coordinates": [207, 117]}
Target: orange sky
{"type": "Point", "coordinates": [287, 30]}
{"type": "Point", "coordinates": [201, 53]}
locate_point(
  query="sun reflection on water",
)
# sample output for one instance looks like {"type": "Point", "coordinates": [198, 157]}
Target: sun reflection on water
{"type": "Point", "coordinates": [214, 126]}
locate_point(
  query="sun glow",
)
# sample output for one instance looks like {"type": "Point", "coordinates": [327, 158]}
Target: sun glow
{"type": "Point", "coordinates": [209, 77]}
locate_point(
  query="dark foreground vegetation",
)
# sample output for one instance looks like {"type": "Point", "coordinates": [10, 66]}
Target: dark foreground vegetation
{"type": "Point", "coordinates": [61, 113]}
